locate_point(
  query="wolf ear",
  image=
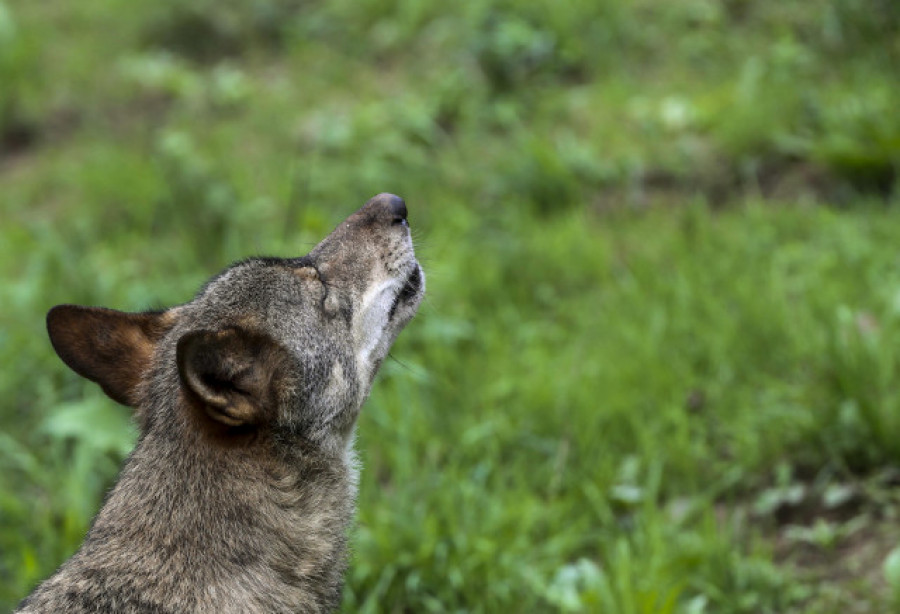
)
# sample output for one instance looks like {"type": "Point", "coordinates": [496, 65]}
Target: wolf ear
{"type": "Point", "coordinates": [233, 372]}
{"type": "Point", "coordinates": [109, 347]}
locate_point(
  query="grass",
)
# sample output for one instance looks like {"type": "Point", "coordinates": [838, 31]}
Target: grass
{"type": "Point", "coordinates": [663, 296]}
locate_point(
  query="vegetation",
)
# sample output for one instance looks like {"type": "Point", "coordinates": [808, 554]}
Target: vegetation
{"type": "Point", "coordinates": [657, 369]}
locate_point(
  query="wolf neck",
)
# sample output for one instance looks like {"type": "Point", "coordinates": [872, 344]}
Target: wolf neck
{"type": "Point", "coordinates": [275, 524]}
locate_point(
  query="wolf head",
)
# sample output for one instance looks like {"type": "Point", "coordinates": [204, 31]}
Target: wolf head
{"type": "Point", "coordinates": [290, 345]}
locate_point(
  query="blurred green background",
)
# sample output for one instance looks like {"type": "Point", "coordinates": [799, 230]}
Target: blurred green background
{"type": "Point", "coordinates": [657, 368]}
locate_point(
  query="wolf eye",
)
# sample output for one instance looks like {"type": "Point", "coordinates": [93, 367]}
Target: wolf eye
{"type": "Point", "coordinates": [307, 273]}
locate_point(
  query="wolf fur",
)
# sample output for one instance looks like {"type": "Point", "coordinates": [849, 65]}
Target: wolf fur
{"type": "Point", "coordinates": [239, 493]}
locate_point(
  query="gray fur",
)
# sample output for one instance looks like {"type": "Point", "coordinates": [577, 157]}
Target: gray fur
{"type": "Point", "coordinates": [241, 488]}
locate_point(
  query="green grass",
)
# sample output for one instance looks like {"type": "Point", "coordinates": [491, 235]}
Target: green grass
{"type": "Point", "coordinates": [663, 289]}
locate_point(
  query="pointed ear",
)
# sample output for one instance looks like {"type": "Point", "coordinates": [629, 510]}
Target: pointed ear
{"type": "Point", "coordinates": [233, 372]}
{"type": "Point", "coordinates": [109, 347]}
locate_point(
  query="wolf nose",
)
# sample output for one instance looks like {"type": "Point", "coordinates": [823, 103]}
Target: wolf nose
{"type": "Point", "coordinates": [392, 205]}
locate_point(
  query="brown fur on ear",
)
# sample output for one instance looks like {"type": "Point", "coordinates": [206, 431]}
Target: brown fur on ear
{"type": "Point", "coordinates": [112, 348]}
{"type": "Point", "coordinates": [233, 372]}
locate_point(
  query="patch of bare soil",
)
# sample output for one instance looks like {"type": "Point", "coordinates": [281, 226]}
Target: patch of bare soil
{"type": "Point", "coordinates": [836, 539]}
{"type": "Point", "coordinates": [848, 575]}
{"type": "Point", "coordinates": [19, 137]}
{"type": "Point", "coordinates": [719, 184]}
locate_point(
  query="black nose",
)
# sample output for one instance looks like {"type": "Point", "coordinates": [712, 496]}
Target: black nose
{"type": "Point", "coordinates": [392, 205]}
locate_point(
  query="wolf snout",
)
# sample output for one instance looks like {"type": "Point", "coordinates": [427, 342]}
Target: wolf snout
{"type": "Point", "coordinates": [389, 206]}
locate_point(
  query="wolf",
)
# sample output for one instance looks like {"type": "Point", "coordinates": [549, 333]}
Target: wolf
{"type": "Point", "coordinates": [241, 488]}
